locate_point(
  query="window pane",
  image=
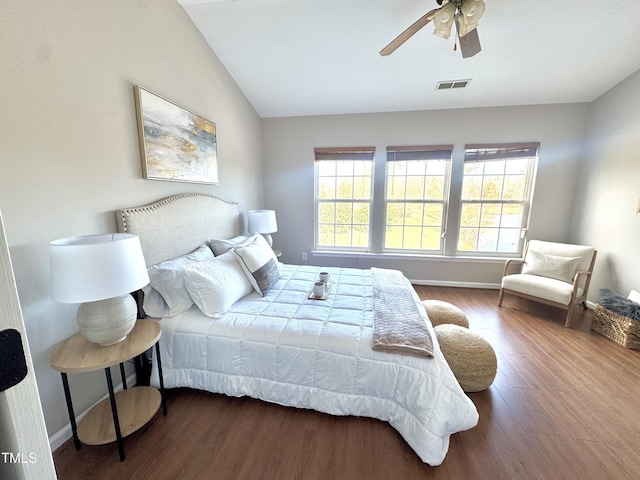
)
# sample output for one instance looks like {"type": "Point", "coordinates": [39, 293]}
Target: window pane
{"type": "Point", "coordinates": [495, 167]}
{"type": "Point", "coordinates": [514, 186]}
{"type": "Point", "coordinates": [395, 213]}
{"type": "Point", "coordinates": [517, 167]}
{"type": "Point", "coordinates": [474, 168]}
{"type": "Point", "coordinates": [468, 239]}
{"type": "Point", "coordinates": [416, 167]}
{"type": "Point", "coordinates": [362, 188]}
{"type": "Point", "coordinates": [326, 235]}
{"type": "Point", "coordinates": [343, 236]}
{"type": "Point", "coordinates": [433, 215]}
{"type": "Point", "coordinates": [361, 236]}
{"type": "Point", "coordinates": [326, 188]}
{"type": "Point", "coordinates": [472, 188]}
{"type": "Point", "coordinates": [512, 216]}
{"type": "Point", "coordinates": [415, 188]}
{"type": "Point", "coordinates": [326, 168]}
{"type": "Point", "coordinates": [345, 187]}
{"type": "Point", "coordinates": [393, 237]}
{"type": "Point", "coordinates": [412, 238]}
{"type": "Point", "coordinates": [327, 212]}
{"type": "Point", "coordinates": [398, 188]}
{"type": "Point", "coordinates": [509, 240]}
{"type": "Point", "coordinates": [361, 214]}
{"type": "Point", "coordinates": [436, 167]}
{"type": "Point", "coordinates": [470, 215]}
{"type": "Point", "coordinates": [434, 188]}
{"type": "Point", "coordinates": [431, 237]}
{"type": "Point", "coordinates": [345, 168]}
{"type": "Point", "coordinates": [492, 188]}
{"type": "Point", "coordinates": [490, 216]}
{"type": "Point", "coordinates": [413, 214]}
{"type": "Point", "coordinates": [488, 240]}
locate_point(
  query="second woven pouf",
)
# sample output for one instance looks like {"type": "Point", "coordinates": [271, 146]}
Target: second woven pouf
{"type": "Point", "coordinates": [440, 312]}
{"type": "Point", "coordinates": [471, 358]}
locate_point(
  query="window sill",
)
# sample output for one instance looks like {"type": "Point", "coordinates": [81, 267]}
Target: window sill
{"type": "Point", "coordinates": [409, 256]}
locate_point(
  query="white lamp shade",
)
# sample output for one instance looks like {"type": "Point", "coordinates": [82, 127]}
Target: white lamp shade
{"type": "Point", "coordinates": [96, 267]}
{"type": "Point", "coordinates": [262, 221]}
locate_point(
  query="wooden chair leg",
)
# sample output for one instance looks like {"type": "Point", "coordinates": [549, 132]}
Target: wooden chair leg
{"type": "Point", "coordinates": [567, 322]}
{"type": "Point", "coordinates": [500, 295]}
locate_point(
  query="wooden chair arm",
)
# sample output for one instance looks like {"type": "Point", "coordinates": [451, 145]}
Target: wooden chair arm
{"type": "Point", "coordinates": [576, 279]}
{"type": "Point", "coordinates": [507, 264]}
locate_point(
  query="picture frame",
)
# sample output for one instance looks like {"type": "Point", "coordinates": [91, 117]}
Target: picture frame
{"type": "Point", "coordinates": [175, 143]}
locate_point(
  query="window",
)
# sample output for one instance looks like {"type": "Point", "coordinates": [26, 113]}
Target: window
{"type": "Point", "coordinates": [344, 197]}
{"type": "Point", "coordinates": [496, 192]}
{"type": "Point", "coordinates": [417, 188]}
{"type": "Point", "coordinates": [426, 200]}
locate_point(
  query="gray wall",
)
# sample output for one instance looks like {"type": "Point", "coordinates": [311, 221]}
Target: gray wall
{"type": "Point", "coordinates": [609, 188]}
{"type": "Point", "coordinates": [69, 153]}
{"type": "Point", "coordinates": [289, 178]}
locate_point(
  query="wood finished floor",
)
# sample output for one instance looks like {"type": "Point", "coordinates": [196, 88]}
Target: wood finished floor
{"type": "Point", "coordinates": [564, 405]}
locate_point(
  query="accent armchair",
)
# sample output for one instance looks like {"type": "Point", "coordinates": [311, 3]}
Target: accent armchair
{"type": "Point", "coordinates": [556, 274]}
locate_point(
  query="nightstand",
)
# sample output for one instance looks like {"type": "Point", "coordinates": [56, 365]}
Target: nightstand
{"type": "Point", "coordinates": [124, 412]}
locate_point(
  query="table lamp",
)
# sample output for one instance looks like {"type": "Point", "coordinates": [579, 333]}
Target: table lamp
{"type": "Point", "coordinates": [264, 222]}
{"type": "Point", "coordinates": [100, 272]}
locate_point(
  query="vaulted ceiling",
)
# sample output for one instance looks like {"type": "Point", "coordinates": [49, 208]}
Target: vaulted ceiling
{"type": "Point", "coordinates": [318, 57]}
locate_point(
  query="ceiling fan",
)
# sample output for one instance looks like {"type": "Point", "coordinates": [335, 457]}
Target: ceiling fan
{"type": "Point", "coordinates": [464, 13]}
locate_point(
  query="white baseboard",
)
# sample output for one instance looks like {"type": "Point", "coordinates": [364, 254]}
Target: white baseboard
{"type": "Point", "coordinates": [440, 283]}
{"type": "Point", "coordinates": [58, 438]}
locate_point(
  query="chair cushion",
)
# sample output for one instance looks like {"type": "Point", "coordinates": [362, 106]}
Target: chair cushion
{"type": "Point", "coordinates": [541, 287]}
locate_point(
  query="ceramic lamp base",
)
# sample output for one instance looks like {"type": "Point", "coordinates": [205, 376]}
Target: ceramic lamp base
{"type": "Point", "coordinates": [107, 322]}
{"type": "Point", "coordinates": [268, 238]}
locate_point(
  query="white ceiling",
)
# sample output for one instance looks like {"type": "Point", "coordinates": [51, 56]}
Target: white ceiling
{"type": "Point", "coordinates": [317, 57]}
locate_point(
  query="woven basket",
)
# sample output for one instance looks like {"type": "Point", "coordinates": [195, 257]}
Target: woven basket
{"type": "Point", "coordinates": [621, 330]}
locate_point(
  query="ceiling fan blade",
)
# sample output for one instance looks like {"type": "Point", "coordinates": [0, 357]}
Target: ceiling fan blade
{"type": "Point", "coordinates": [470, 44]}
{"type": "Point", "coordinates": [408, 33]}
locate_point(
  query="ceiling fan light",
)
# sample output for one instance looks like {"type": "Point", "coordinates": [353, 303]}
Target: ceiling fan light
{"type": "Point", "coordinates": [470, 13]}
{"type": "Point", "coordinates": [443, 20]}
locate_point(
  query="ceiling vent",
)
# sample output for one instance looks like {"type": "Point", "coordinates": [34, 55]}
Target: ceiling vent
{"type": "Point", "coordinates": [452, 84]}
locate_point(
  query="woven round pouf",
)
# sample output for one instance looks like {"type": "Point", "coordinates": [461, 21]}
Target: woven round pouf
{"type": "Point", "coordinates": [470, 357]}
{"type": "Point", "coordinates": [440, 312]}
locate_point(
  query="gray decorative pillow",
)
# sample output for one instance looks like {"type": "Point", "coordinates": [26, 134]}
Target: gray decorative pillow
{"type": "Point", "coordinates": [259, 263]}
{"type": "Point", "coordinates": [550, 266]}
{"type": "Point", "coordinates": [220, 247]}
{"type": "Point", "coordinates": [166, 296]}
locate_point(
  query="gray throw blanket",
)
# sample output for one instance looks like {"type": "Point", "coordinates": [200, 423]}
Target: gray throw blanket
{"type": "Point", "coordinates": [398, 326]}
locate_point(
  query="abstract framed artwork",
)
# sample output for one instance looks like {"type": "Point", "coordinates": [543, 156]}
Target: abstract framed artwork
{"type": "Point", "coordinates": [175, 144]}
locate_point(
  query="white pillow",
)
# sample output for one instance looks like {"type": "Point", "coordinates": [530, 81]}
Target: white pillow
{"type": "Point", "coordinates": [259, 263]}
{"type": "Point", "coordinates": [216, 284]}
{"type": "Point", "coordinates": [551, 266]}
{"type": "Point", "coordinates": [166, 296]}
{"type": "Point", "coordinates": [220, 247]}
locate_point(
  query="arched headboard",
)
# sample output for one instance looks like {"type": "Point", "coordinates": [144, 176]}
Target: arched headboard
{"type": "Point", "coordinates": [179, 224]}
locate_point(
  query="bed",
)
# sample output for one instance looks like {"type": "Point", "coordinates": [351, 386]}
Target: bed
{"type": "Point", "coordinates": [278, 344]}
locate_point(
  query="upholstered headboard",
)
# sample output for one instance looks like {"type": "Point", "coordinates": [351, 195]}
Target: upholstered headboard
{"type": "Point", "coordinates": [179, 224]}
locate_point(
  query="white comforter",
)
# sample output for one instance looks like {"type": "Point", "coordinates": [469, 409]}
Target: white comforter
{"type": "Point", "coordinates": [287, 349]}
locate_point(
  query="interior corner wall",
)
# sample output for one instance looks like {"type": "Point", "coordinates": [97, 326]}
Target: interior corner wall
{"type": "Point", "coordinates": [608, 194]}
{"type": "Point", "coordinates": [289, 173]}
{"type": "Point", "coordinates": [69, 151]}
